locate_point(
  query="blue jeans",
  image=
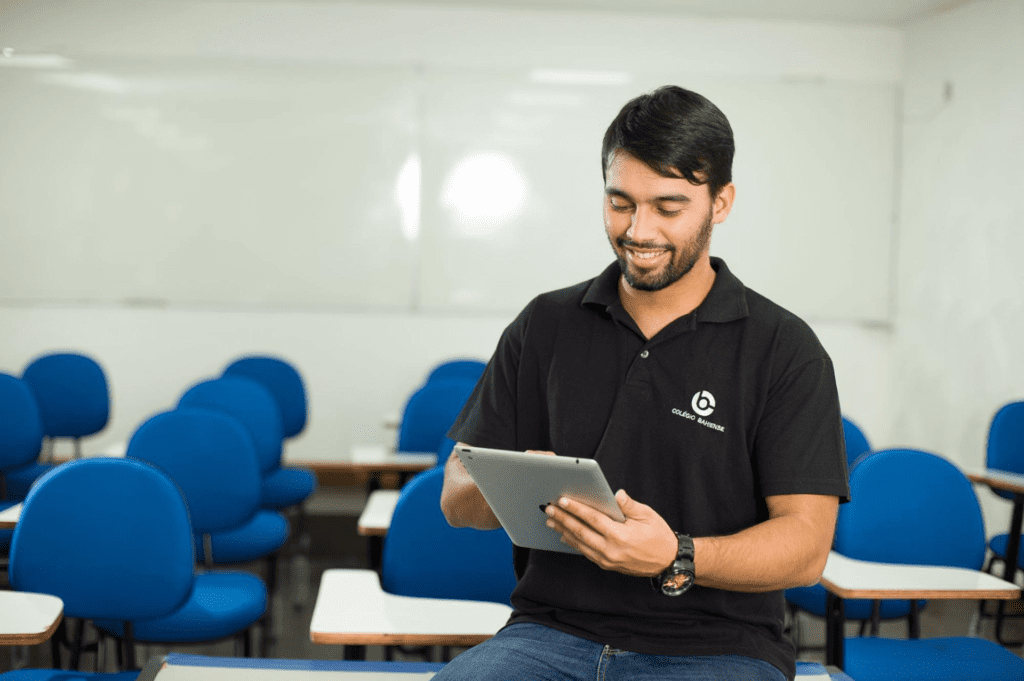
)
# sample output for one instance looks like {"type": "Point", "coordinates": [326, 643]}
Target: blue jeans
{"type": "Point", "coordinates": [532, 652]}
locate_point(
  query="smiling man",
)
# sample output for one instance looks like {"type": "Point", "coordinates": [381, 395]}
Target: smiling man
{"type": "Point", "coordinates": [711, 409]}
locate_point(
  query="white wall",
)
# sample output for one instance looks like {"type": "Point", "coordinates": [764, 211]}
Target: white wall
{"type": "Point", "coordinates": [361, 366]}
{"type": "Point", "coordinates": [957, 352]}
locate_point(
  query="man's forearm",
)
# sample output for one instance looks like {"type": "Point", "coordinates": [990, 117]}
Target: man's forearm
{"type": "Point", "coordinates": [461, 501]}
{"type": "Point", "coordinates": [783, 552]}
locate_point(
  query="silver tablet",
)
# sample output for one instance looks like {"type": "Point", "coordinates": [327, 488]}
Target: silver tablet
{"type": "Point", "coordinates": [518, 486]}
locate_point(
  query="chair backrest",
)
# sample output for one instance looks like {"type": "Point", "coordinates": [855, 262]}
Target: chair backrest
{"type": "Point", "coordinates": [910, 506]}
{"type": "Point", "coordinates": [283, 381]}
{"type": "Point", "coordinates": [72, 393]}
{"type": "Point", "coordinates": [430, 412]}
{"type": "Point", "coordinates": [425, 556]}
{"type": "Point", "coordinates": [210, 456]}
{"type": "Point", "coordinates": [856, 442]}
{"type": "Point", "coordinates": [1006, 441]}
{"type": "Point", "coordinates": [467, 369]}
{"type": "Point", "coordinates": [444, 450]}
{"type": "Point", "coordinates": [21, 428]}
{"type": "Point", "coordinates": [110, 537]}
{"type": "Point", "coordinates": [250, 403]}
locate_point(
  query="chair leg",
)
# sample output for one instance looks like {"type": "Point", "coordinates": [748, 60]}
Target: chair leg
{"type": "Point", "coordinates": [59, 637]}
{"type": "Point", "coordinates": [876, 617]}
{"type": "Point", "coordinates": [914, 620]}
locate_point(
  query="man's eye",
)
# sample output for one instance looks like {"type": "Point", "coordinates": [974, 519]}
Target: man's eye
{"type": "Point", "coordinates": [621, 207]}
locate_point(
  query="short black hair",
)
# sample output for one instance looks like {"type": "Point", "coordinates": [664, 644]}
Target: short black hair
{"type": "Point", "coordinates": [674, 131]}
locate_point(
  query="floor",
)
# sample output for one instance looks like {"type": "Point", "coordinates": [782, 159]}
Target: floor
{"type": "Point", "coordinates": [334, 543]}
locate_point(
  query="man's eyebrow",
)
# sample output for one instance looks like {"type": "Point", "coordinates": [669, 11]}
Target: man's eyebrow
{"type": "Point", "coordinates": [676, 198]}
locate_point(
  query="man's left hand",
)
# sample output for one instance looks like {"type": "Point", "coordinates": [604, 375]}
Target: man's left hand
{"type": "Point", "coordinates": [643, 546]}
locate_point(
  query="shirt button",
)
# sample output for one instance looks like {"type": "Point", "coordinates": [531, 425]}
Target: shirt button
{"type": "Point", "coordinates": [644, 354]}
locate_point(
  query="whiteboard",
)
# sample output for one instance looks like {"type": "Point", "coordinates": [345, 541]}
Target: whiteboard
{"type": "Point", "coordinates": [409, 189]}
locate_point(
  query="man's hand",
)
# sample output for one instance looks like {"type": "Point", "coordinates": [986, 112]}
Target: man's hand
{"type": "Point", "coordinates": [643, 546]}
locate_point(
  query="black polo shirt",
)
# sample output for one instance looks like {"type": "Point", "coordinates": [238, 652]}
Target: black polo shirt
{"type": "Point", "coordinates": [725, 406]}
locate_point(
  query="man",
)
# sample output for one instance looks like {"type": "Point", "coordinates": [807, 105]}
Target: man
{"type": "Point", "coordinates": [712, 410]}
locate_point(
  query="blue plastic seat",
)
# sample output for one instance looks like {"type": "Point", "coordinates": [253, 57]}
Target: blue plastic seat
{"type": "Point", "coordinates": [73, 395]}
{"type": "Point", "coordinates": [430, 412]}
{"type": "Point", "coordinates": [935, 520]}
{"type": "Point", "coordinates": [112, 539]}
{"type": "Point", "coordinates": [210, 456]}
{"type": "Point", "coordinates": [267, 531]}
{"type": "Point", "coordinates": [282, 486]}
{"type": "Point", "coordinates": [425, 556]}
{"type": "Point", "coordinates": [466, 369]}
{"type": "Point", "coordinates": [856, 442]}
{"type": "Point", "coordinates": [812, 599]}
{"type": "Point", "coordinates": [21, 437]}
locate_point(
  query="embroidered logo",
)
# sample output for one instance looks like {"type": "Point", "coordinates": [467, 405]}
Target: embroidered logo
{"type": "Point", "coordinates": [703, 403]}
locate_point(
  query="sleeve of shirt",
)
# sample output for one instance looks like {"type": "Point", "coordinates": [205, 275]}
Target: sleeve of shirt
{"type": "Point", "coordinates": [489, 417]}
{"type": "Point", "coordinates": [799, 446]}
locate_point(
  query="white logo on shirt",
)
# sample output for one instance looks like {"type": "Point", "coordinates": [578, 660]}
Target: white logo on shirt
{"type": "Point", "coordinates": [703, 403]}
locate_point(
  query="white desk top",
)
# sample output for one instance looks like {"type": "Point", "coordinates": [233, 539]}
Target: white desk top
{"type": "Point", "coordinates": [28, 618]}
{"type": "Point", "coordinates": [371, 454]}
{"type": "Point", "coordinates": [9, 517]}
{"type": "Point", "coordinates": [850, 578]}
{"type": "Point", "coordinates": [376, 516]}
{"type": "Point", "coordinates": [352, 609]}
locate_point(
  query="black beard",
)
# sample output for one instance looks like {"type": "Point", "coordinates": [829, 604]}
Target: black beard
{"type": "Point", "coordinates": [680, 262]}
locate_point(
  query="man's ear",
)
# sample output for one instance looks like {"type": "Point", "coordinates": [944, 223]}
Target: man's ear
{"type": "Point", "coordinates": [722, 203]}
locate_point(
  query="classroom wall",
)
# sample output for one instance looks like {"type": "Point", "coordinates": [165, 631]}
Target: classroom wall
{"type": "Point", "coordinates": [361, 365]}
{"type": "Point", "coordinates": [956, 353]}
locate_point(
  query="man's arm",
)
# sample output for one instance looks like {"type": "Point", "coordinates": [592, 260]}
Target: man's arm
{"type": "Point", "coordinates": [787, 550]}
{"type": "Point", "coordinates": [461, 501]}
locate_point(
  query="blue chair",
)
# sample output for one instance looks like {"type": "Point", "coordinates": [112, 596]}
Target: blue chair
{"type": "Point", "coordinates": [21, 437]}
{"type": "Point", "coordinates": [465, 369]}
{"type": "Point", "coordinates": [912, 507]}
{"type": "Point", "coordinates": [812, 599]}
{"type": "Point", "coordinates": [856, 442]}
{"type": "Point", "coordinates": [1005, 452]}
{"type": "Point", "coordinates": [112, 539]}
{"type": "Point", "coordinates": [210, 456]}
{"type": "Point", "coordinates": [282, 486]}
{"type": "Point", "coordinates": [426, 557]}
{"type": "Point", "coordinates": [254, 406]}
{"type": "Point", "coordinates": [73, 395]}
{"type": "Point", "coordinates": [430, 412]}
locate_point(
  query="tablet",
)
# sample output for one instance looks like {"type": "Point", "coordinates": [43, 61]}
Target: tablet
{"type": "Point", "coordinates": [518, 485]}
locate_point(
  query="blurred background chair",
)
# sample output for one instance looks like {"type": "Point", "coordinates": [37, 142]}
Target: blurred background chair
{"type": "Point", "coordinates": [254, 407]}
{"type": "Point", "coordinates": [73, 396]}
{"type": "Point", "coordinates": [21, 437]}
{"type": "Point", "coordinates": [812, 599]}
{"type": "Point", "coordinates": [430, 412]}
{"type": "Point", "coordinates": [1005, 452]}
{"type": "Point", "coordinates": [856, 442]}
{"type": "Point", "coordinates": [284, 486]}
{"type": "Point", "coordinates": [210, 456]}
{"type": "Point", "coordinates": [466, 369]}
{"type": "Point", "coordinates": [426, 557]}
{"type": "Point", "coordinates": [112, 539]}
{"type": "Point", "coordinates": [913, 507]}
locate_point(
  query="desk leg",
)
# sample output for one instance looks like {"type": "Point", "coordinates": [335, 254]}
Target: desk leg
{"type": "Point", "coordinates": [355, 653]}
{"type": "Point", "coordinates": [1012, 560]}
{"type": "Point", "coordinates": [835, 631]}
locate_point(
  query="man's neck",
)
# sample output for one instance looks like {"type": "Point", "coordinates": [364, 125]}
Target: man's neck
{"type": "Point", "coordinates": [654, 310]}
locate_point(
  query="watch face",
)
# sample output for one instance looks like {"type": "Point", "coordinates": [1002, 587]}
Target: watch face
{"type": "Point", "coordinates": [677, 583]}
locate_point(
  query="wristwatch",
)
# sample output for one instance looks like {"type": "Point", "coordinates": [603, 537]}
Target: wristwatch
{"type": "Point", "coordinates": [678, 577]}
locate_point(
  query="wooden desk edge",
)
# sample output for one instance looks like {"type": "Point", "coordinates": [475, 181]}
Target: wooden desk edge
{"type": "Point", "coordinates": [371, 531]}
{"type": "Point", "coordinates": [377, 639]}
{"type": "Point", "coordinates": [948, 594]}
{"type": "Point", "coordinates": [31, 639]}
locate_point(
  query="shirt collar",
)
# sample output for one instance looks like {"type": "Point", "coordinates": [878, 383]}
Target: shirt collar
{"type": "Point", "coordinates": [725, 302]}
